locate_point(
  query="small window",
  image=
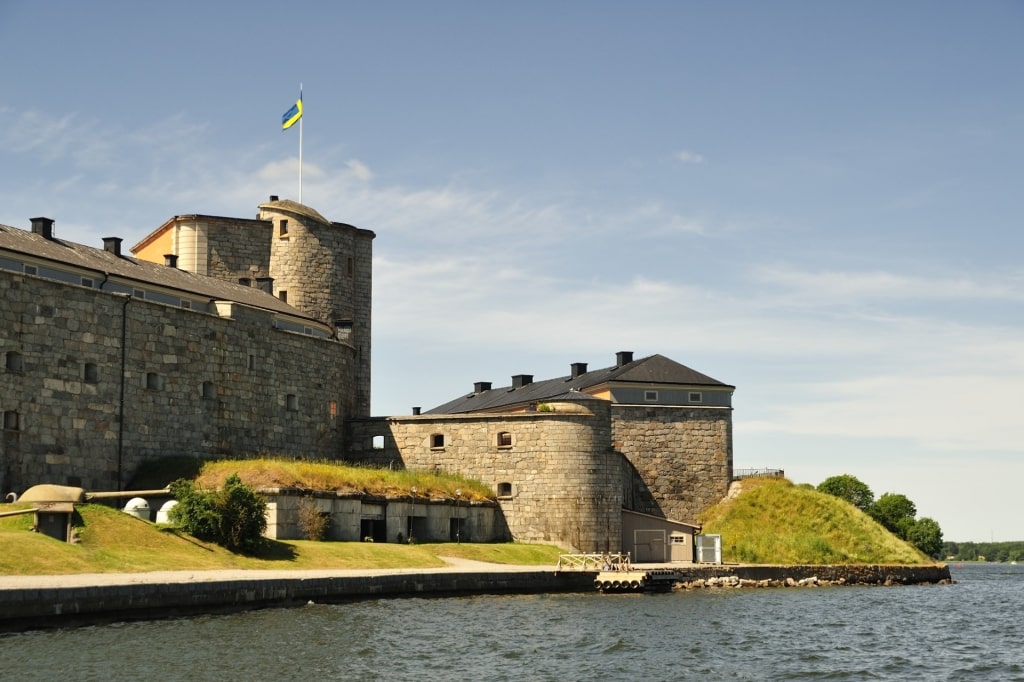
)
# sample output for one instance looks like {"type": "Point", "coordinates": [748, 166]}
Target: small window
{"type": "Point", "coordinates": [283, 295]}
{"type": "Point", "coordinates": [252, 361]}
{"type": "Point", "coordinates": [378, 442]}
{"type": "Point", "coordinates": [437, 440]}
{"type": "Point", "coordinates": [154, 381]}
{"type": "Point", "coordinates": [348, 266]}
{"type": "Point", "coordinates": [90, 373]}
{"type": "Point", "coordinates": [208, 390]}
{"type": "Point", "coordinates": [86, 282]}
{"type": "Point", "coordinates": [11, 421]}
{"type": "Point", "coordinates": [332, 409]}
{"type": "Point", "coordinates": [283, 229]}
{"type": "Point", "coordinates": [187, 305]}
{"type": "Point", "coordinates": [504, 439]}
{"type": "Point", "coordinates": [505, 489]}
{"type": "Point", "coordinates": [696, 397]}
{"type": "Point", "coordinates": [12, 361]}
{"type": "Point", "coordinates": [30, 270]}
{"type": "Point", "coordinates": [650, 396]}
{"type": "Point", "coordinates": [291, 402]}
{"type": "Point", "coordinates": [139, 293]}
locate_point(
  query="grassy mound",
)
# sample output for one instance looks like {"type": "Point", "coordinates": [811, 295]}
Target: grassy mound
{"type": "Point", "coordinates": [115, 542]}
{"type": "Point", "coordinates": [773, 521]}
{"type": "Point", "coordinates": [291, 473]}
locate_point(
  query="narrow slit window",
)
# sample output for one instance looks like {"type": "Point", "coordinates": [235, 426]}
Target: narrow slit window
{"type": "Point", "coordinates": [291, 402]}
{"type": "Point", "coordinates": [90, 373]}
{"type": "Point", "coordinates": [283, 295]}
{"type": "Point", "coordinates": [208, 390]}
{"type": "Point", "coordinates": [282, 230]}
{"type": "Point", "coordinates": [153, 381]}
{"type": "Point", "coordinates": [13, 361]}
{"type": "Point", "coordinates": [11, 421]}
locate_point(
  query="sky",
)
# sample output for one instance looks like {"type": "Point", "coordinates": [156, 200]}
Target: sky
{"type": "Point", "coordinates": [818, 203]}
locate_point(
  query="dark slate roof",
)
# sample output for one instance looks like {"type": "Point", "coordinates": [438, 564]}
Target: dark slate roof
{"type": "Point", "coordinates": [124, 266]}
{"type": "Point", "coordinates": [654, 369]}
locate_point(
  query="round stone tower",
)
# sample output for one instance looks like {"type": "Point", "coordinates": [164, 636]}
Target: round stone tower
{"type": "Point", "coordinates": [324, 269]}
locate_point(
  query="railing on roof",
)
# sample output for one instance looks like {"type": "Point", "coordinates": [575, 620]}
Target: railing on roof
{"type": "Point", "coordinates": [737, 474]}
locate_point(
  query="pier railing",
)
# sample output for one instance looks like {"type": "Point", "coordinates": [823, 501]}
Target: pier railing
{"type": "Point", "coordinates": [594, 562]}
{"type": "Point", "coordinates": [737, 474]}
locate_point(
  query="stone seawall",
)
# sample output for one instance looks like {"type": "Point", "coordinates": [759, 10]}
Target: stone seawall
{"type": "Point", "coordinates": [36, 607]}
{"type": "Point", "coordinates": [27, 604]}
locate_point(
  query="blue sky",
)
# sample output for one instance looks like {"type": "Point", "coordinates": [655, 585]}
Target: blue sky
{"type": "Point", "coordinates": [818, 203]}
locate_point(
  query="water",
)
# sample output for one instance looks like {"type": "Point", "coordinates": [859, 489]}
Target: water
{"type": "Point", "coordinates": [970, 630]}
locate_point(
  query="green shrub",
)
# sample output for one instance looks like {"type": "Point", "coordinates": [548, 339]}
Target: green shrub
{"type": "Point", "coordinates": [234, 517]}
{"type": "Point", "coordinates": [312, 521]}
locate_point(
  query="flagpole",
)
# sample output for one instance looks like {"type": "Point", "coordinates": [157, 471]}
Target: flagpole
{"type": "Point", "coordinates": [300, 147]}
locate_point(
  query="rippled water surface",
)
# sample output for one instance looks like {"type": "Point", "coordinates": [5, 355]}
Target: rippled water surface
{"type": "Point", "coordinates": [970, 630]}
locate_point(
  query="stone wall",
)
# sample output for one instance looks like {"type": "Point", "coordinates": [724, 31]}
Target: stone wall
{"type": "Point", "coordinates": [194, 383]}
{"type": "Point", "coordinates": [558, 481]}
{"type": "Point", "coordinates": [404, 517]}
{"type": "Point", "coordinates": [679, 458]}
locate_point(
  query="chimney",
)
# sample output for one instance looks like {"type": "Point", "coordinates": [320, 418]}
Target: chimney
{"type": "Point", "coordinates": [623, 358]}
{"type": "Point", "coordinates": [415, 411]}
{"type": "Point", "coordinates": [273, 197]}
{"type": "Point", "coordinates": [578, 368]}
{"type": "Point", "coordinates": [520, 380]}
{"type": "Point", "coordinates": [481, 386]}
{"type": "Point", "coordinates": [265, 284]}
{"type": "Point", "coordinates": [43, 226]}
{"type": "Point", "coordinates": [112, 245]}
{"type": "Point", "coordinates": [171, 260]}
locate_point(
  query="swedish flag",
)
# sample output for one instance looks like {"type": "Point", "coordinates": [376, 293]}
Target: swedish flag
{"type": "Point", "coordinates": [292, 115]}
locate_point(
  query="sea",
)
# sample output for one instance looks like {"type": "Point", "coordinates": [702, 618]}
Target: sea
{"type": "Point", "coordinates": [969, 630]}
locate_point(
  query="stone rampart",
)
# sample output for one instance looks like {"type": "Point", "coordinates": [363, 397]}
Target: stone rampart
{"type": "Point", "coordinates": [554, 473]}
{"type": "Point", "coordinates": [193, 383]}
{"type": "Point", "coordinates": [680, 458]}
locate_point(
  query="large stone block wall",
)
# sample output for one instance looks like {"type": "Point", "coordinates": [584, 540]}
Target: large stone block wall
{"type": "Point", "coordinates": [326, 270]}
{"type": "Point", "coordinates": [237, 248]}
{"type": "Point", "coordinates": [76, 429]}
{"type": "Point", "coordinates": [679, 458]}
{"type": "Point", "coordinates": [563, 478]}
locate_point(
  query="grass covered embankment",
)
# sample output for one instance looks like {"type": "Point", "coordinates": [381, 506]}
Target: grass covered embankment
{"type": "Point", "coordinates": [115, 542]}
{"type": "Point", "coordinates": [773, 521]}
{"type": "Point", "coordinates": [112, 542]}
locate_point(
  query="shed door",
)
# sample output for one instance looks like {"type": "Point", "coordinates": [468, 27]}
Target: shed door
{"type": "Point", "coordinates": [650, 546]}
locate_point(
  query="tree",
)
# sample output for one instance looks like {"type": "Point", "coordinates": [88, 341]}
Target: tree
{"type": "Point", "coordinates": [849, 488]}
{"type": "Point", "coordinates": [233, 517]}
{"type": "Point", "coordinates": [894, 511]}
{"type": "Point", "coordinates": [926, 535]}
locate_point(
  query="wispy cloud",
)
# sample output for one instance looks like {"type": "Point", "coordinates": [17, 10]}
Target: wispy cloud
{"type": "Point", "coordinates": [688, 157]}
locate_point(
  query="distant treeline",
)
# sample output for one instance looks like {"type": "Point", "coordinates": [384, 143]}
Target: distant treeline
{"type": "Point", "coordinates": [984, 551]}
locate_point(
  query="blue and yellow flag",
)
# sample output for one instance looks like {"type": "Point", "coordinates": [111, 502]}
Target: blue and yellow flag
{"type": "Point", "coordinates": [292, 115]}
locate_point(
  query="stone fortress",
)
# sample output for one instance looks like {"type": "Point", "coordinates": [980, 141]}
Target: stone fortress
{"type": "Point", "coordinates": [242, 337]}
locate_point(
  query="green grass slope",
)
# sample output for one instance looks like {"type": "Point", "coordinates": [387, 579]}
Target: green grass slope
{"type": "Point", "coordinates": [773, 521]}
{"type": "Point", "coordinates": [114, 542]}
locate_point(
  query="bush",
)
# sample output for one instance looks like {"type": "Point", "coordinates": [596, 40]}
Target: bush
{"type": "Point", "coordinates": [312, 521]}
{"type": "Point", "coordinates": [233, 517]}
